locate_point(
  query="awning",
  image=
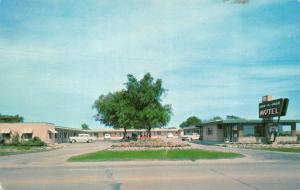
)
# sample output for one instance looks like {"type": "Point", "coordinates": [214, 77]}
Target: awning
{"type": "Point", "coordinates": [26, 131]}
{"type": "Point", "coordinates": [52, 131]}
{"type": "Point", "coordinates": [5, 131]}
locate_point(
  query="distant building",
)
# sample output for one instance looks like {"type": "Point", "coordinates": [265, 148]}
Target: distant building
{"type": "Point", "coordinates": [50, 134]}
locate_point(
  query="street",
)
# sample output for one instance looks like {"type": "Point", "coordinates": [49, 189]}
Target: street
{"type": "Point", "coordinates": [253, 171]}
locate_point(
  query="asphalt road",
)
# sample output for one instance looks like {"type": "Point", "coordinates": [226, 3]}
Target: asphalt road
{"type": "Point", "coordinates": [255, 171]}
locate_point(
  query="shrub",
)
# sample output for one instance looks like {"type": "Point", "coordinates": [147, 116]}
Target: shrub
{"type": "Point", "coordinates": [36, 141]}
{"type": "Point", "coordinates": [15, 140]}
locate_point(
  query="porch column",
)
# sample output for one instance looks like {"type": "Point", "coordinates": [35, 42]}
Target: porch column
{"type": "Point", "coordinates": [293, 129]}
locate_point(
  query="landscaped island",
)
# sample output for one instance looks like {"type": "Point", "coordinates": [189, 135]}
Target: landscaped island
{"type": "Point", "coordinates": [161, 154]}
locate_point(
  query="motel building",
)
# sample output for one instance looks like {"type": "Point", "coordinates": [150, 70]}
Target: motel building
{"type": "Point", "coordinates": [245, 131]}
{"type": "Point", "coordinates": [221, 131]}
{"type": "Point", "coordinates": [51, 134]}
{"type": "Point", "coordinates": [269, 128]}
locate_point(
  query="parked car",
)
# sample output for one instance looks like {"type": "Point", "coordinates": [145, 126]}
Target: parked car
{"type": "Point", "coordinates": [107, 136]}
{"type": "Point", "coordinates": [82, 138]}
{"type": "Point", "coordinates": [193, 136]}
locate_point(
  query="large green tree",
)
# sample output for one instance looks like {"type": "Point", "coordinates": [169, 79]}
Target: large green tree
{"type": "Point", "coordinates": [145, 96]}
{"type": "Point", "coordinates": [137, 106]}
{"type": "Point", "coordinates": [114, 110]}
{"type": "Point", "coordinates": [191, 121]}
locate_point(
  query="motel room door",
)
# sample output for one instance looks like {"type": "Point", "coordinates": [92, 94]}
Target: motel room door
{"type": "Point", "coordinates": [227, 133]}
{"type": "Point", "coordinates": [201, 133]}
{"type": "Point", "coordinates": [259, 131]}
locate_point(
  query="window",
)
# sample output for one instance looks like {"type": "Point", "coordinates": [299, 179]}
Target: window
{"type": "Point", "coordinates": [27, 136]}
{"type": "Point", "coordinates": [158, 132]}
{"type": "Point", "coordinates": [283, 130]}
{"type": "Point", "coordinates": [6, 136]}
{"type": "Point", "coordinates": [249, 131]}
{"type": "Point", "coordinates": [209, 131]}
{"type": "Point", "coordinates": [50, 135]}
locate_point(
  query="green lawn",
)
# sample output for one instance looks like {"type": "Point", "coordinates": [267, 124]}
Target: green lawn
{"type": "Point", "coordinates": [11, 150]}
{"type": "Point", "coordinates": [187, 154]}
{"type": "Point", "coordinates": [9, 153]}
{"type": "Point", "coordinates": [294, 149]}
{"type": "Point", "coordinates": [20, 147]}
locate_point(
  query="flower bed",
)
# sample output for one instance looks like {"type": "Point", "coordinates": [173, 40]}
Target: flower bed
{"type": "Point", "coordinates": [151, 143]}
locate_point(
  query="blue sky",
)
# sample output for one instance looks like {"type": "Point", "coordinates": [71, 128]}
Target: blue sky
{"type": "Point", "coordinates": [215, 57]}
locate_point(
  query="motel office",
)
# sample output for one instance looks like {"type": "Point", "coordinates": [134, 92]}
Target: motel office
{"type": "Point", "coordinates": [245, 131]}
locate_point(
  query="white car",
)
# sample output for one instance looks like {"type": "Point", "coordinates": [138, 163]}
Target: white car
{"type": "Point", "coordinates": [82, 138]}
{"type": "Point", "coordinates": [107, 136]}
{"type": "Point", "coordinates": [193, 136]}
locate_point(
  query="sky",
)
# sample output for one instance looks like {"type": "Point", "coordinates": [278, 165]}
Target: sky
{"type": "Point", "coordinates": [215, 57]}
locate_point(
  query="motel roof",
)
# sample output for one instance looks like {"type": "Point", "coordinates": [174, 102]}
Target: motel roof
{"type": "Point", "coordinates": [115, 130]}
{"type": "Point", "coordinates": [249, 121]}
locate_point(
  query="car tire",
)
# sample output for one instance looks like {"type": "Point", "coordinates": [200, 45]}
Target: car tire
{"type": "Point", "coordinates": [89, 141]}
{"type": "Point", "coordinates": [73, 141]}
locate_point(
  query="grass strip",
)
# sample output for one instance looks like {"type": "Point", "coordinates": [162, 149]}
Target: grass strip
{"type": "Point", "coordinates": [7, 150]}
{"type": "Point", "coordinates": [283, 149]}
{"type": "Point", "coordinates": [175, 154]}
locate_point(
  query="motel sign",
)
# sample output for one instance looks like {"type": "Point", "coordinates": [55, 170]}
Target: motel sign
{"type": "Point", "coordinates": [274, 108]}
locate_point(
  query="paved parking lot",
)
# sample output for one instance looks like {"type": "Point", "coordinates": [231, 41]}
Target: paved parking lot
{"type": "Point", "coordinates": [49, 170]}
{"type": "Point", "coordinates": [53, 157]}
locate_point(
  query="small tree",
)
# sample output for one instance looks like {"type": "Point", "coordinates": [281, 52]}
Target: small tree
{"type": "Point", "coordinates": [85, 126]}
{"type": "Point", "coordinates": [216, 118]}
{"type": "Point", "coordinates": [191, 121]}
{"type": "Point", "coordinates": [15, 140]}
{"type": "Point", "coordinates": [11, 119]}
{"type": "Point", "coordinates": [232, 117]}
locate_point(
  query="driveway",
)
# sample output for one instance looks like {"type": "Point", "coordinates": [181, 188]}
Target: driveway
{"type": "Point", "coordinates": [53, 157]}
